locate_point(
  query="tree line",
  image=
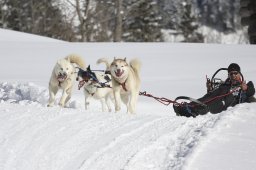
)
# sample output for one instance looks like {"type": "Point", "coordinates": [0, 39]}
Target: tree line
{"type": "Point", "coordinates": [119, 20]}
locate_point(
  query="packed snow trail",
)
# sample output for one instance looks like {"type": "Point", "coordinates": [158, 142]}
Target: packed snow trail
{"type": "Point", "coordinates": [36, 137]}
{"type": "Point", "coordinates": [33, 136]}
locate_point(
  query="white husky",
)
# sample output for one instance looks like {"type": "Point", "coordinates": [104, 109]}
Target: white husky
{"type": "Point", "coordinates": [125, 82]}
{"type": "Point", "coordinates": [63, 77]}
{"type": "Point", "coordinates": [93, 89]}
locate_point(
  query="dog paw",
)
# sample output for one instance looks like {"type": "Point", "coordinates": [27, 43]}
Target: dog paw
{"type": "Point", "coordinates": [117, 109]}
{"type": "Point", "coordinates": [49, 105]}
{"type": "Point", "coordinates": [61, 104]}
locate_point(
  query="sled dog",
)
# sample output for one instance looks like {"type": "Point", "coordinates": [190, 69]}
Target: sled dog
{"type": "Point", "coordinates": [63, 77]}
{"type": "Point", "coordinates": [125, 81]}
{"type": "Point", "coordinates": [93, 89]}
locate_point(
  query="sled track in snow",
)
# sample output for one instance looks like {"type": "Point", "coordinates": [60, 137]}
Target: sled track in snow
{"type": "Point", "coordinates": [133, 141]}
{"type": "Point", "coordinates": [64, 139]}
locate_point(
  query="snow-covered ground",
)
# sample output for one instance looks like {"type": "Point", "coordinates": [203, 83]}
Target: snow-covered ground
{"type": "Point", "coordinates": [35, 137]}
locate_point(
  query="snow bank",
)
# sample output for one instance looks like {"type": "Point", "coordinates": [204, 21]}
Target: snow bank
{"type": "Point", "coordinates": [18, 92]}
{"type": "Point", "coordinates": [27, 93]}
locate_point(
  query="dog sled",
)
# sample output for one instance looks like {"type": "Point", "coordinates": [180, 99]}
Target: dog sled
{"type": "Point", "coordinates": [219, 98]}
{"type": "Point", "coordinates": [182, 105]}
{"type": "Point", "coordinates": [189, 107]}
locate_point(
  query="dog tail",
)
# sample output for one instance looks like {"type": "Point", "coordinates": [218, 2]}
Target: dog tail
{"type": "Point", "coordinates": [105, 61]}
{"type": "Point", "coordinates": [74, 58]}
{"type": "Point", "coordinates": [136, 65]}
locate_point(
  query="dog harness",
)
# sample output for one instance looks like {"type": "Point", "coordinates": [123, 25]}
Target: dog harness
{"type": "Point", "coordinates": [123, 86]}
{"type": "Point", "coordinates": [89, 92]}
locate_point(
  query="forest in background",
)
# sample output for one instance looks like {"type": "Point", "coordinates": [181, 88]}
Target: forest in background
{"type": "Point", "coordinates": [125, 20]}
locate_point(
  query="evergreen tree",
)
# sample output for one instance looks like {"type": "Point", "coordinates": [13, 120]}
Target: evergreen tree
{"type": "Point", "coordinates": [143, 22]}
{"type": "Point", "coordinates": [37, 17]}
{"type": "Point", "coordinates": [189, 24]}
{"type": "Point", "coordinates": [221, 15]}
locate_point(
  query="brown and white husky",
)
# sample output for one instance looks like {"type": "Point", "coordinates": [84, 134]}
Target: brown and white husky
{"type": "Point", "coordinates": [125, 81]}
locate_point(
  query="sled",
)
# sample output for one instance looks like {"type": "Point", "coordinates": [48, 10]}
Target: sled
{"type": "Point", "coordinates": [193, 107]}
{"type": "Point", "coordinates": [188, 106]}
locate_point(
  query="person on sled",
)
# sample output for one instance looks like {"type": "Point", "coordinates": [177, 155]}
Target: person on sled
{"type": "Point", "coordinates": [232, 91]}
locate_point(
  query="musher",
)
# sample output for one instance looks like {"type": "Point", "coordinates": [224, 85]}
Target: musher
{"type": "Point", "coordinates": [230, 93]}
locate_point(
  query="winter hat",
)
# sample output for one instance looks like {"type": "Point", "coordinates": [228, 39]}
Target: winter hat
{"type": "Point", "coordinates": [233, 67]}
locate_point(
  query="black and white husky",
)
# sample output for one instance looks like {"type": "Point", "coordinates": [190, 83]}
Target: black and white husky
{"type": "Point", "coordinates": [96, 85]}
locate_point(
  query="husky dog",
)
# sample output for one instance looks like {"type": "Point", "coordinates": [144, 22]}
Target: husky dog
{"type": "Point", "coordinates": [94, 89]}
{"type": "Point", "coordinates": [63, 77]}
{"type": "Point", "coordinates": [125, 81]}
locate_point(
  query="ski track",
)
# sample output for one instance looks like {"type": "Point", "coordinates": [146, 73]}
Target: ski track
{"type": "Point", "coordinates": [63, 139]}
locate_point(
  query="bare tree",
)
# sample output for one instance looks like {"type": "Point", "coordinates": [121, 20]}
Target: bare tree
{"type": "Point", "coordinates": [82, 9]}
{"type": "Point", "coordinates": [119, 17]}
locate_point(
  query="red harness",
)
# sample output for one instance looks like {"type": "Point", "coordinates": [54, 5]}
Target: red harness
{"type": "Point", "coordinates": [123, 86]}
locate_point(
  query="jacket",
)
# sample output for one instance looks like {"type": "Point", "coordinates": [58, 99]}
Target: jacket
{"type": "Point", "coordinates": [231, 97]}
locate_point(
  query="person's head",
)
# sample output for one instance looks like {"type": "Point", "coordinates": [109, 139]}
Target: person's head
{"type": "Point", "coordinates": [234, 72]}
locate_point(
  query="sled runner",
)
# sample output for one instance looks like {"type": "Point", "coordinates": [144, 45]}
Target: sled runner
{"type": "Point", "coordinates": [189, 109]}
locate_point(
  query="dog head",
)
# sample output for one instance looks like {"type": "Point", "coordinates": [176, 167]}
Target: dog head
{"type": "Point", "coordinates": [86, 77]}
{"type": "Point", "coordinates": [63, 69]}
{"type": "Point", "coordinates": [119, 68]}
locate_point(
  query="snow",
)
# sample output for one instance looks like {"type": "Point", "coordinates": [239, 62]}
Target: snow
{"type": "Point", "coordinates": [33, 136]}
{"type": "Point", "coordinates": [7, 36]}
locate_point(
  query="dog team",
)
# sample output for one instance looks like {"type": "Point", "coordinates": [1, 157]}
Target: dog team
{"type": "Point", "coordinates": [119, 83]}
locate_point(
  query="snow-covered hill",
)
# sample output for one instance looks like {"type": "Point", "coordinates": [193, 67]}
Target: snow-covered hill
{"type": "Point", "coordinates": [15, 36]}
{"type": "Point", "coordinates": [35, 137]}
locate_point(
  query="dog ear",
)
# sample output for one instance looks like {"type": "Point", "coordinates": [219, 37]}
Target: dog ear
{"type": "Point", "coordinates": [125, 59]}
{"type": "Point", "coordinates": [68, 59]}
{"type": "Point", "coordinates": [59, 62]}
{"type": "Point", "coordinates": [88, 68]}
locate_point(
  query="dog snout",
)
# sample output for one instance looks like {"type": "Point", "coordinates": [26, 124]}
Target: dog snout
{"type": "Point", "coordinates": [61, 74]}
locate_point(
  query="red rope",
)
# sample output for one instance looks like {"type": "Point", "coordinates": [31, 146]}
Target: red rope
{"type": "Point", "coordinates": [221, 96]}
{"type": "Point", "coordinates": [162, 100]}
{"type": "Point", "coordinates": [167, 102]}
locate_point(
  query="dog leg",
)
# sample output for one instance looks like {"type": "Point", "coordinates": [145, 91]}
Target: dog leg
{"type": "Point", "coordinates": [125, 99]}
{"type": "Point", "coordinates": [133, 102]}
{"type": "Point", "coordinates": [67, 99]}
{"type": "Point", "coordinates": [86, 103]}
{"type": "Point", "coordinates": [107, 99]}
{"type": "Point", "coordinates": [117, 99]}
{"type": "Point", "coordinates": [65, 94]}
{"type": "Point", "coordinates": [103, 104]}
{"type": "Point", "coordinates": [52, 93]}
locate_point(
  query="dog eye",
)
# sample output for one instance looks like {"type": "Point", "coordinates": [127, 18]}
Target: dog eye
{"type": "Point", "coordinates": [67, 68]}
{"type": "Point", "coordinates": [116, 65]}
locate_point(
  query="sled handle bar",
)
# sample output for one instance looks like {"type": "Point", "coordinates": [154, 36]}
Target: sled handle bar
{"type": "Point", "coordinates": [227, 70]}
